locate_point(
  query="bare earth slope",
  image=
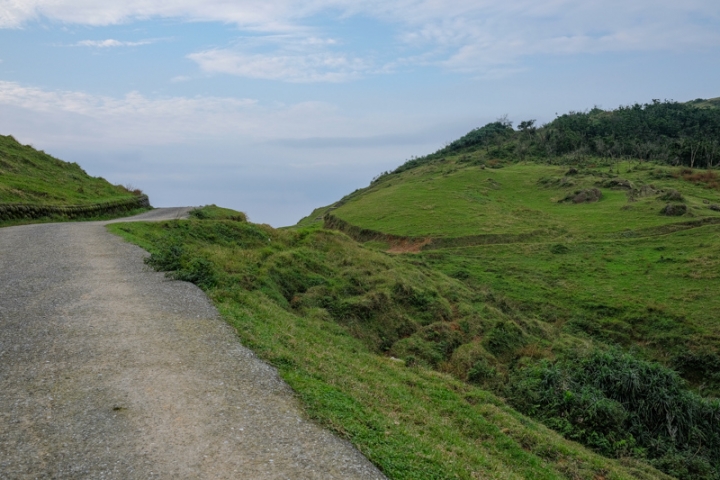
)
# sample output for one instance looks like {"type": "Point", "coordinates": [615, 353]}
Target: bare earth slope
{"type": "Point", "coordinates": [109, 370]}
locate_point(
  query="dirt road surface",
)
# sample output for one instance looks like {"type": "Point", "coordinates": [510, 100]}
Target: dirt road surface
{"type": "Point", "coordinates": [110, 371]}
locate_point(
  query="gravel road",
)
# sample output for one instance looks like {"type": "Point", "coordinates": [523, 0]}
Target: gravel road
{"type": "Point", "coordinates": [110, 371]}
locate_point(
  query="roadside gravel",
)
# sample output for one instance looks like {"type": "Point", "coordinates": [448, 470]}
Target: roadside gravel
{"type": "Point", "coordinates": [110, 371]}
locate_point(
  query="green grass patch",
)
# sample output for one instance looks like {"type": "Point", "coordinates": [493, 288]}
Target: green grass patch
{"type": "Point", "coordinates": [334, 316]}
{"type": "Point", "coordinates": [213, 212]}
{"type": "Point", "coordinates": [29, 176]}
{"type": "Point", "coordinates": [654, 295]}
{"type": "Point", "coordinates": [458, 197]}
{"type": "Point", "coordinates": [59, 218]}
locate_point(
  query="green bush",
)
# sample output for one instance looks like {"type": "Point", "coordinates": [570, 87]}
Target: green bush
{"type": "Point", "coordinates": [171, 258]}
{"type": "Point", "coordinates": [199, 271]}
{"type": "Point", "coordinates": [166, 258]}
{"type": "Point", "coordinates": [504, 338]}
{"type": "Point", "coordinates": [620, 406]}
{"type": "Point", "coordinates": [481, 373]}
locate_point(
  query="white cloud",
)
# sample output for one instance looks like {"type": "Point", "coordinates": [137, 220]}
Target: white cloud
{"type": "Point", "coordinates": [311, 67]}
{"type": "Point", "coordinates": [78, 118]}
{"type": "Point", "coordinates": [267, 15]}
{"type": "Point", "coordinates": [295, 57]}
{"type": "Point", "coordinates": [503, 34]}
{"type": "Point", "coordinates": [472, 35]}
{"type": "Point", "coordinates": [110, 43]}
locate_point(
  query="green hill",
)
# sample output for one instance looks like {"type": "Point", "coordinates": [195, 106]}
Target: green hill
{"type": "Point", "coordinates": [706, 103]}
{"type": "Point", "coordinates": [483, 308]}
{"type": "Point", "coordinates": [35, 185]}
{"type": "Point", "coordinates": [593, 225]}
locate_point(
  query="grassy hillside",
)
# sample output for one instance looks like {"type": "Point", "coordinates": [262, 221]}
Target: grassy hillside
{"type": "Point", "coordinates": [615, 270]}
{"type": "Point", "coordinates": [331, 315]}
{"type": "Point", "coordinates": [33, 177]}
{"type": "Point", "coordinates": [595, 251]}
{"type": "Point", "coordinates": [459, 196]}
{"type": "Point", "coordinates": [510, 294]}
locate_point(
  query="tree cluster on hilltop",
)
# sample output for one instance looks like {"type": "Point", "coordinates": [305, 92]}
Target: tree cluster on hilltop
{"type": "Point", "coordinates": [670, 132]}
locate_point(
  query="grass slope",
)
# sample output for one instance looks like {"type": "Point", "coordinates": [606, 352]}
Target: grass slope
{"type": "Point", "coordinates": [29, 176]}
{"type": "Point", "coordinates": [455, 198]}
{"type": "Point", "coordinates": [706, 103]}
{"type": "Point", "coordinates": [325, 311]}
{"type": "Point", "coordinates": [592, 283]}
{"type": "Point", "coordinates": [614, 270]}
{"type": "Point", "coordinates": [654, 295]}
{"type": "Point", "coordinates": [598, 322]}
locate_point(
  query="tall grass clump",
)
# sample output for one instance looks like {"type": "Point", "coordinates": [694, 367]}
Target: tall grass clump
{"type": "Point", "coordinates": [623, 406]}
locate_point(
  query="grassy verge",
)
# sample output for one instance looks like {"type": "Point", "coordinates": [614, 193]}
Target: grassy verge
{"type": "Point", "coordinates": [329, 314]}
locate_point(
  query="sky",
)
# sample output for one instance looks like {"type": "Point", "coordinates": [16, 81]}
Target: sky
{"type": "Point", "coordinates": [276, 107]}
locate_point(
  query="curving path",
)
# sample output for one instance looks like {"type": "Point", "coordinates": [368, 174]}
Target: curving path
{"type": "Point", "coordinates": [110, 371]}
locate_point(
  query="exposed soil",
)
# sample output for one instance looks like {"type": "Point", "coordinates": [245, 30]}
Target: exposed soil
{"type": "Point", "coordinates": [409, 246]}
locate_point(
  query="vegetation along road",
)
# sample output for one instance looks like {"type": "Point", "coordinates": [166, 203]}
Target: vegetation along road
{"type": "Point", "coordinates": [109, 370]}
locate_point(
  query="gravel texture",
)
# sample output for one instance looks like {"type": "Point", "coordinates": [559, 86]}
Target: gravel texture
{"type": "Point", "coordinates": [110, 371]}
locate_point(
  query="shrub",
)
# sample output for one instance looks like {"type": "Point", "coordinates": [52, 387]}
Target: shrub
{"type": "Point", "coordinates": [199, 213]}
{"type": "Point", "coordinates": [199, 271]}
{"type": "Point", "coordinates": [583, 196]}
{"type": "Point", "coordinates": [559, 249]}
{"type": "Point", "coordinates": [504, 338]}
{"type": "Point", "coordinates": [620, 405]}
{"type": "Point", "coordinates": [171, 258]}
{"type": "Point", "coordinates": [166, 258]}
{"type": "Point", "coordinates": [482, 373]}
{"type": "Point", "coordinates": [674, 209]}
{"type": "Point", "coordinates": [672, 196]}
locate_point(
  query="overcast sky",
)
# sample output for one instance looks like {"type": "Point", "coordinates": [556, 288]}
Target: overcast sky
{"type": "Point", "coordinates": [275, 107]}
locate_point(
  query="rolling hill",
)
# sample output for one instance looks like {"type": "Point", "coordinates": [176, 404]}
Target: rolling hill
{"type": "Point", "coordinates": [482, 311]}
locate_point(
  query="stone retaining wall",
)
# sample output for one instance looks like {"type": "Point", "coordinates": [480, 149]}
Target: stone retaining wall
{"type": "Point", "coordinates": [15, 211]}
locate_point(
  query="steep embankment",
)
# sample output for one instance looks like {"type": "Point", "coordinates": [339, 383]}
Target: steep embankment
{"type": "Point", "coordinates": [592, 277]}
{"type": "Point", "coordinates": [35, 185]}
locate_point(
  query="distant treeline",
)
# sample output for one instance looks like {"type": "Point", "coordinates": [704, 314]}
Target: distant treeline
{"type": "Point", "coordinates": [670, 132]}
